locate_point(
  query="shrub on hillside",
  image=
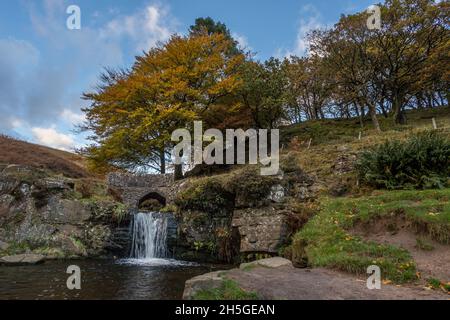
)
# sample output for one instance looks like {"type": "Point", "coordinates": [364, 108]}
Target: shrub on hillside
{"type": "Point", "coordinates": [421, 162]}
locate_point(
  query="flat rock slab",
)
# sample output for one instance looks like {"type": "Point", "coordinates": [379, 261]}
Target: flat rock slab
{"type": "Point", "coordinates": [287, 283]}
{"type": "Point", "coordinates": [205, 281]}
{"type": "Point", "coordinates": [22, 259]}
{"type": "Point", "coordinates": [275, 262]}
{"type": "Point", "coordinates": [281, 281]}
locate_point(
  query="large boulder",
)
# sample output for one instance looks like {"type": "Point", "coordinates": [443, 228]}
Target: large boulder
{"type": "Point", "coordinates": [64, 211]}
{"type": "Point", "coordinates": [38, 234]}
{"type": "Point", "coordinates": [214, 280]}
{"type": "Point", "coordinates": [261, 229]}
{"type": "Point", "coordinates": [275, 262]}
{"type": "Point", "coordinates": [208, 281]}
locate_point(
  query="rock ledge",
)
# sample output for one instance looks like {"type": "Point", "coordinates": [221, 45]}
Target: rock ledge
{"type": "Point", "coordinates": [22, 259]}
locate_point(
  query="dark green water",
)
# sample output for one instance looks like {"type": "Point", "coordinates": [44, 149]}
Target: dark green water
{"type": "Point", "coordinates": [153, 279]}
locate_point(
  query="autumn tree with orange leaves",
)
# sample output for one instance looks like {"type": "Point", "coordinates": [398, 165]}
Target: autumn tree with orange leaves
{"type": "Point", "coordinates": [133, 113]}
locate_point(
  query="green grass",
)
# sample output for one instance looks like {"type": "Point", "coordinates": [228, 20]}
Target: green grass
{"type": "Point", "coordinates": [120, 212]}
{"type": "Point", "coordinates": [326, 240]}
{"type": "Point", "coordinates": [428, 210]}
{"type": "Point", "coordinates": [437, 284]}
{"type": "Point", "coordinates": [51, 251]}
{"type": "Point", "coordinates": [424, 245]}
{"type": "Point", "coordinates": [330, 131]}
{"type": "Point", "coordinates": [333, 138]}
{"type": "Point", "coordinates": [229, 290]}
{"type": "Point", "coordinates": [16, 248]}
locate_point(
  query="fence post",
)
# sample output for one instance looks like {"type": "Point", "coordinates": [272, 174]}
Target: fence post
{"type": "Point", "coordinates": [434, 123]}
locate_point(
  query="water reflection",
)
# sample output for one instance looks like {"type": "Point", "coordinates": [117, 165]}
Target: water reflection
{"type": "Point", "coordinates": [101, 279]}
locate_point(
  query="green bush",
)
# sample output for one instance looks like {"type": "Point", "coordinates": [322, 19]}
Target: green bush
{"type": "Point", "coordinates": [421, 162]}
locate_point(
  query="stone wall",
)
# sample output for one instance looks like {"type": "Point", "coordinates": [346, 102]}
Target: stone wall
{"type": "Point", "coordinates": [134, 187]}
{"type": "Point", "coordinates": [261, 229]}
{"type": "Point", "coordinates": [126, 180]}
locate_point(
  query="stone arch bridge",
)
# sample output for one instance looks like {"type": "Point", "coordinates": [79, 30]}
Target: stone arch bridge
{"type": "Point", "coordinates": [136, 188]}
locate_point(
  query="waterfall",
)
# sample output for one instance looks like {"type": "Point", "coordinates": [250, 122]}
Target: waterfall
{"type": "Point", "coordinates": [149, 235]}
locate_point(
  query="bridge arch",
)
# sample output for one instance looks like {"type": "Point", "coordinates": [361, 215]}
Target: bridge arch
{"type": "Point", "coordinates": [152, 201]}
{"type": "Point", "coordinates": [136, 189]}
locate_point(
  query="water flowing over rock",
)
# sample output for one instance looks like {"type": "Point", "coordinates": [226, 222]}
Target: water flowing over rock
{"type": "Point", "coordinates": [149, 235]}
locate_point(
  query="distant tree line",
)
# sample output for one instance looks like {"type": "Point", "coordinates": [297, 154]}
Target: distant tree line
{"type": "Point", "coordinates": [349, 72]}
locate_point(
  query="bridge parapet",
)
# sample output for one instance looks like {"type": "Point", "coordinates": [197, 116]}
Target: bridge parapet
{"type": "Point", "coordinates": [134, 187]}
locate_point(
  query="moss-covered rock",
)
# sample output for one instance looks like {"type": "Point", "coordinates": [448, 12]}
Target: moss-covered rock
{"type": "Point", "coordinates": [250, 188]}
{"type": "Point", "coordinates": [206, 195]}
{"type": "Point", "coordinates": [45, 215]}
{"type": "Point", "coordinates": [240, 213]}
{"type": "Point", "coordinates": [205, 236]}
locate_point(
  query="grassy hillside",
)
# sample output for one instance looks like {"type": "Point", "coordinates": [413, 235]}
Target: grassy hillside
{"type": "Point", "coordinates": [352, 218]}
{"type": "Point", "coordinates": [330, 240]}
{"type": "Point", "coordinates": [332, 143]}
{"type": "Point", "coordinates": [59, 162]}
{"type": "Point", "coordinates": [331, 131]}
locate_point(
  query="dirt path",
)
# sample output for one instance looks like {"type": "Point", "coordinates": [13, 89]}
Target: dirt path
{"type": "Point", "coordinates": [432, 263]}
{"type": "Point", "coordinates": [288, 283]}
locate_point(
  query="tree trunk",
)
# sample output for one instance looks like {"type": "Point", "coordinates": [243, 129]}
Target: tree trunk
{"type": "Point", "coordinates": [397, 107]}
{"type": "Point", "coordinates": [373, 116]}
{"type": "Point", "coordinates": [316, 113]}
{"type": "Point", "coordinates": [361, 116]}
{"type": "Point", "coordinates": [162, 160]}
{"type": "Point", "coordinates": [178, 172]}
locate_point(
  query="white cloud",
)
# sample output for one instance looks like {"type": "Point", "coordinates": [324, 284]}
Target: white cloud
{"type": "Point", "coordinates": [40, 92]}
{"type": "Point", "coordinates": [242, 42]}
{"type": "Point", "coordinates": [72, 117]}
{"type": "Point", "coordinates": [310, 20]}
{"type": "Point", "coordinates": [146, 27]}
{"type": "Point", "coordinates": [51, 138]}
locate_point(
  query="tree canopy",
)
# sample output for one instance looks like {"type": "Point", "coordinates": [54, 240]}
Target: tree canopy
{"type": "Point", "coordinates": [350, 71]}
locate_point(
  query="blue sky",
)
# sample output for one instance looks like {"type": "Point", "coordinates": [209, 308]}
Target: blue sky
{"type": "Point", "coordinates": [44, 67]}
